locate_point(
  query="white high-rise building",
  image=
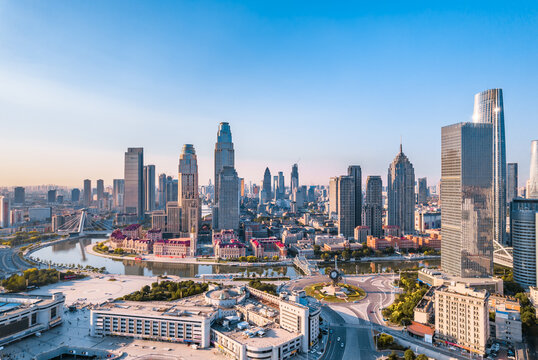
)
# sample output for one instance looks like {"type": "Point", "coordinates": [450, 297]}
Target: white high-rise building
{"type": "Point", "coordinates": [532, 186]}
{"type": "Point", "coordinates": [188, 197]}
{"type": "Point", "coordinates": [4, 212]}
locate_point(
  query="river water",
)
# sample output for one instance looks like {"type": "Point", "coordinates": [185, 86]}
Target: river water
{"type": "Point", "coordinates": [72, 252]}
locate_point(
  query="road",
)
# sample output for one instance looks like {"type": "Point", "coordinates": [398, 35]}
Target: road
{"type": "Point", "coordinates": [10, 262]}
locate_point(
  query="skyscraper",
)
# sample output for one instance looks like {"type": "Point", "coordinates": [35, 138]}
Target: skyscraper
{"type": "Point", "coordinates": [489, 109]}
{"type": "Point", "coordinates": [467, 199]}
{"type": "Point", "coordinates": [161, 198]}
{"type": "Point", "coordinates": [149, 188]}
{"type": "Point", "coordinates": [346, 205]}
{"type": "Point", "coordinates": [133, 199]}
{"type": "Point", "coordinates": [294, 182]}
{"type": "Point", "coordinates": [265, 195]}
{"type": "Point", "coordinates": [281, 186]}
{"type": "Point", "coordinates": [333, 196]}
{"type": "Point", "coordinates": [224, 153]}
{"type": "Point", "coordinates": [87, 193]}
{"type": "Point", "coordinates": [100, 193]}
{"type": "Point", "coordinates": [188, 198]}
{"type": "Point", "coordinates": [422, 197]}
{"type": "Point", "coordinates": [523, 230]}
{"type": "Point", "coordinates": [372, 217]}
{"type": "Point", "coordinates": [228, 206]}
{"type": "Point", "coordinates": [532, 188]}
{"type": "Point", "coordinates": [118, 191]}
{"type": "Point", "coordinates": [374, 191]}
{"type": "Point", "coordinates": [356, 173]}
{"type": "Point", "coordinates": [275, 187]}
{"type": "Point", "coordinates": [4, 211]}
{"type": "Point", "coordinates": [51, 196]}
{"type": "Point", "coordinates": [511, 182]}
{"type": "Point", "coordinates": [401, 193]}
{"type": "Point", "coordinates": [75, 195]}
{"type": "Point", "coordinates": [19, 195]}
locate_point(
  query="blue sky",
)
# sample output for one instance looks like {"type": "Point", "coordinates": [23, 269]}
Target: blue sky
{"type": "Point", "coordinates": [316, 83]}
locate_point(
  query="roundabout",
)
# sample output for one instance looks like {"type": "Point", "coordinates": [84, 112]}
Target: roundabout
{"type": "Point", "coordinates": [335, 293]}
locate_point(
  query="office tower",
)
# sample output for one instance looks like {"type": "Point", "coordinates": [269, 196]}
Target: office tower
{"type": "Point", "coordinates": [133, 198]}
{"type": "Point", "coordinates": [401, 193]}
{"type": "Point", "coordinates": [161, 193]}
{"type": "Point", "coordinates": [4, 211]}
{"type": "Point", "coordinates": [532, 187]}
{"type": "Point", "coordinates": [149, 188]}
{"type": "Point", "coordinates": [511, 182]}
{"type": "Point", "coordinates": [333, 196]}
{"type": "Point", "coordinates": [87, 193]}
{"type": "Point", "coordinates": [188, 198]}
{"type": "Point", "coordinates": [275, 187]}
{"type": "Point", "coordinates": [100, 193]}
{"type": "Point", "coordinates": [118, 190]}
{"type": "Point", "coordinates": [19, 195]}
{"type": "Point", "coordinates": [462, 316]}
{"type": "Point", "coordinates": [224, 153]}
{"type": "Point", "coordinates": [75, 195]}
{"type": "Point", "coordinates": [294, 182]}
{"type": "Point", "coordinates": [356, 173]}
{"type": "Point", "coordinates": [374, 191]}
{"type": "Point", "coordinates": [422, 195]}
{"type": "Point", "coordinates": [51, 196]}
{"type": "Point", "coordinates": [524, 233]}
{"type": "Point", "coordinates": [228, 205]}
{"type": "Point", "coordinates": [265, 195]}
{"type": "Point", "coordinates": [281, 186]}
{"type": "Point", "coordinates": [242, 187]}
{"type": "Point", "coordinates": [346, 206]}
{"type": "Point", "coordinates": [373, 218]}
{"type": "Point", "coordinates": [467, 200]}
{"type": "Point", "coordinates": [173, 218]}
{"type": "Point", "coordinates": [311, 196]}
{"type": "Point", "coordinates": [489, 109]}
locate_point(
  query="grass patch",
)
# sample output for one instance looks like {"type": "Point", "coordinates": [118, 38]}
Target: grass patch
{"type": "Point", "coordinates": [354, 293]}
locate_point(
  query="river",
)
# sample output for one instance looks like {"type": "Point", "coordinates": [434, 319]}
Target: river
{"type": "Point", "coordinates": [72, 252]}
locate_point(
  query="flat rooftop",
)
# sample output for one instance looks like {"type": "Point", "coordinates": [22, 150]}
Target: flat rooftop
{"type": "Point", "coordinates": [273, 336]}
{"type": "Point", "coordinates": [10, 304]}
{"type": "Point", "coordinates": [156, 309]}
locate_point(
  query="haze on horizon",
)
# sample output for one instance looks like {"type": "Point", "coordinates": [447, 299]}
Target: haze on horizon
{"type": "Point", "coordinates": [322, 85]}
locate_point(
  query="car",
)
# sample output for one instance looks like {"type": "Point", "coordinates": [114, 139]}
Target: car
{"type": "Point", "coordinates": [338, 339]}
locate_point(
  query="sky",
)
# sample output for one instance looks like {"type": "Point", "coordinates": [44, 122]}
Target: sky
{"type": "Point", "coordinates": [321, 84]}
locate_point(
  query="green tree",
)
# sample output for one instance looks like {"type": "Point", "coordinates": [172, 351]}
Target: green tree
{"type": "Point", "coordinates": [422, 357]}
{"type": "Point", "coordinates": [393, 356]}
{"type": "Point", "coordinates": [409, 355]}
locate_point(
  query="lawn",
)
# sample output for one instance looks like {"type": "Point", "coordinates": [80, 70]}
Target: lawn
{"type": "Point", "coordinates": [355, 293]}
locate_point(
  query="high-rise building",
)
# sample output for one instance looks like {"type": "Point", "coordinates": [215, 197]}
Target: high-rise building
{"type": "Point", "coordinates": [242, 187]}
{"type": "Point", "coordinates": [133, 198]}
{"type": "Point", "coordinates": [489, 109]}
{"type": "Point", "coordinates": [265, 195]}
{"type": "Point", "coordinates": [467, 200]}
{"type": "Point", "coordinates": [281, 186]}
{"type": "Point", "coordinates": [118, 190]}
{"type": "Point", "coordinates": [161, 197]}
{"type": "Point", "coordinates": [401, 193]}
{"type": "Point", "coordinates": [149, 188]}
{"type": "Point", "coordinates": [374, 191]}
{"type": "Point", "coordinates": [75, 195]}
{"type": "Point", "coordinates": [346, 206]}
{"type": "Point", "coordinates": [188, 198]}
{"type": "Point", "coordinates": [228, 205]}
{"type": "Point", "coordinates": [373, 218]}
{"type": "Point", "coordinates": [51, 196]}
{"type": "Point", "coordinates": [524, 234]}
{"type": "Point", "coordinates": [511, 182]}
{"type": "Point", "coordinates": [294, 182]}
{"type": "Point", "coordinates": [422, 197]}
{"type": "Point", "coordinates": [224, 153]}
{"type": "Point", "coordinates": [87, 192]}
{"type": "Point", "coordinates": [333, 196]}
{"type": "Point", "coordinates": [356, 173]}
{"type": "Point", "coordinates": [275, 187]}
{"type": "Point", "coordinates": [4, 211]}
{"type": "Point", "coordinates": [532, 188]}
{"type": "Point", "coordinates": [19, 195]}
{"type": "Point", "coordinates": [100, 193]}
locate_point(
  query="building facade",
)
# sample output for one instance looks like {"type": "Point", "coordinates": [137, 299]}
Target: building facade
{"type": "Point", "coordinates": [356, 173]}
{"type": "Point", "coordinates": [511, 182]}
{"type": "Point", "coordinates": [401, 193]}
{"type": "Point", "coordinates": [532, 187]}
{"type": "Point", "coordinates": [524, 233]}
{"type": "Point", "coordinates": [188, 197]}
{"type": "Point", "coordinates": [149, 188]}
{"type": "Point", "coordinates": [133, 198]}
{"type": "Point", "coordinates": [228, 203]}
{"type": "Point", "coordinates": [346, 206]}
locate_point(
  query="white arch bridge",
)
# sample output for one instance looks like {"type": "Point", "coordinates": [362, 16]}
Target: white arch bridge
{"type": "Point", "coordinates": [83, 223]}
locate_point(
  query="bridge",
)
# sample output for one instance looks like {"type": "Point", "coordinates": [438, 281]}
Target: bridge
{"type": "Point", "coordinates": [502, 255]}
{"type": "Point", "coordinates": [309, 268]}
{"type": "Point", "coordinates": [83, 223]}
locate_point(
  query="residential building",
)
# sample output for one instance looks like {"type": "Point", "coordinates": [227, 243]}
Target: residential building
{"type": "Point", "coordinates": [149, 188]}
{"type": "Point", "coordinates": [489, 109]}
{"type": "Point", "coordinates": [508, 325]}
{"type": "Point", "coordinates": [346, 206]}
{"type": "Point", "coordinates": [467, 225]}
{"type": "Point", "coordinates": [372, 219]}
{"type": "Point", "coordinates": [401, 193]}
{"type": "Point", "coordinates": [374, 191]}
{"type": "Point", "coordinates": [51, 196]}
{"type": "Point", "coordinates": [19, 197]}
{"type": "Point", "coordinates": [75, 195]}
{"type": "Point", "coordinates": [361, 233]}
{"type": "Point", "coordinates": [422, 197]}
{"type": "Point", "coordinates": [4, 212]}
{"type": "Point", "coordinates": [100, 193]}
{"type": "Point", "coordinates": [118, 190]}
{"type": "Point", "coordinates": [511, 182]}
{"type": "Point", "coordinates": [87, 193]}
{"type": "Point", "coordinates": [133, 198]}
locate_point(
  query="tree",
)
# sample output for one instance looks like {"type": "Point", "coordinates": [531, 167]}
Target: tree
{"type": "Point", "coordinates": [346, 255]}
{"type": "Point", "coordinates": [242, 258]}
{"type": "Point", "coordinates": [409, 355]}
{"type": "Point", "coordinates": [325, 256]}
{"type": "Point", "coordinates": [275, 258]}
{"type": "Point", "coordinates": [422, 357]}
{"type": "Point", "coordinates": [393, 356]}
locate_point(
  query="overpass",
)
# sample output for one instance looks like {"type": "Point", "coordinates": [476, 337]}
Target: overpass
{"type": "Point", "coordinates": [308, 267]}
{"type": "Point", "coordinates": [502, 255]}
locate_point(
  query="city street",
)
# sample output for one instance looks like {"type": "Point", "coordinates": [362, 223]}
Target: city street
{"type": "Point", "coordinates": [10, 262]}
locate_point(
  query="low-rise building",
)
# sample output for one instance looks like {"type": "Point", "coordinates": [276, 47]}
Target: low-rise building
{"type": "Point", "coordinates": [329, 239]}
{"type": "Point", "coordinates": [346, 245]}
{"type": "Point", "coordinates": [179, 247]}
{"type": "Point", "coordinates": [424, 312]}
{"type": "Point", "coordinates": [434, 277]}
{"type": "Point", "coordinates": [462, 317]}
{"type": "Point", "coordinates": [22, 315]}
{"type": "Point", "coordinates": [404, 242]}
{"type": "Point", "coordinates": [232, 249]}
{"type": "Point", "coordinates": [269, 247]}
{"type": "Point", "coordinates": [508, 324]}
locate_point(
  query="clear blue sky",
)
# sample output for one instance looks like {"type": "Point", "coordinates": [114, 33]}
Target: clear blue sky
{"type": "Point", "coordinates": [318, 83]}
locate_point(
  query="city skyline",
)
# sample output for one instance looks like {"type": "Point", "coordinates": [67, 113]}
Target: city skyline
{"type": "Point", "coordinates": [49, 94]}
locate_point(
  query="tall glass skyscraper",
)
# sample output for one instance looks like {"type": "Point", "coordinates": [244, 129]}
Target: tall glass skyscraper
{"type": "Point", "coordinates": [489, 109]}
{"type": "Point", "coordinates": [118, 190]}
{"type": "Point", "coordinates": [532, 191]}
{"type": "Point", "coordinates": [228, 207]}
{"type": "Point", "coordinates": [346, 205]}
{"type": "Point", "coordinates": [188, 197]}
{"type": "Point", "coordinates": [467, 199]}
{"type": "Point", "coordinates": [149, 188]}
{"type": "Point", "coordinates": [294, 182]}
{"type": "Point", "coordinates": [401, 193]}
{"type": "Point", "coordinates": [356, 173]}
{"type": "Point", "coordinates": [511, 182]}
{"type": "Point", "coordinates": [133, 199]}
{"type": "Point", "coordinates": [372, 211]}
{"type": "Point", "coordinates": [224, 153]}
{"type": "Point", "coordinates": [523, 228]}
{"type": "Point", "coordinates": [265, 194]}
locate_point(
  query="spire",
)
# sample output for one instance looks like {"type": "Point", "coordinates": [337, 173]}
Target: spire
{"type": "Point", "coordinates": [401, 151]}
